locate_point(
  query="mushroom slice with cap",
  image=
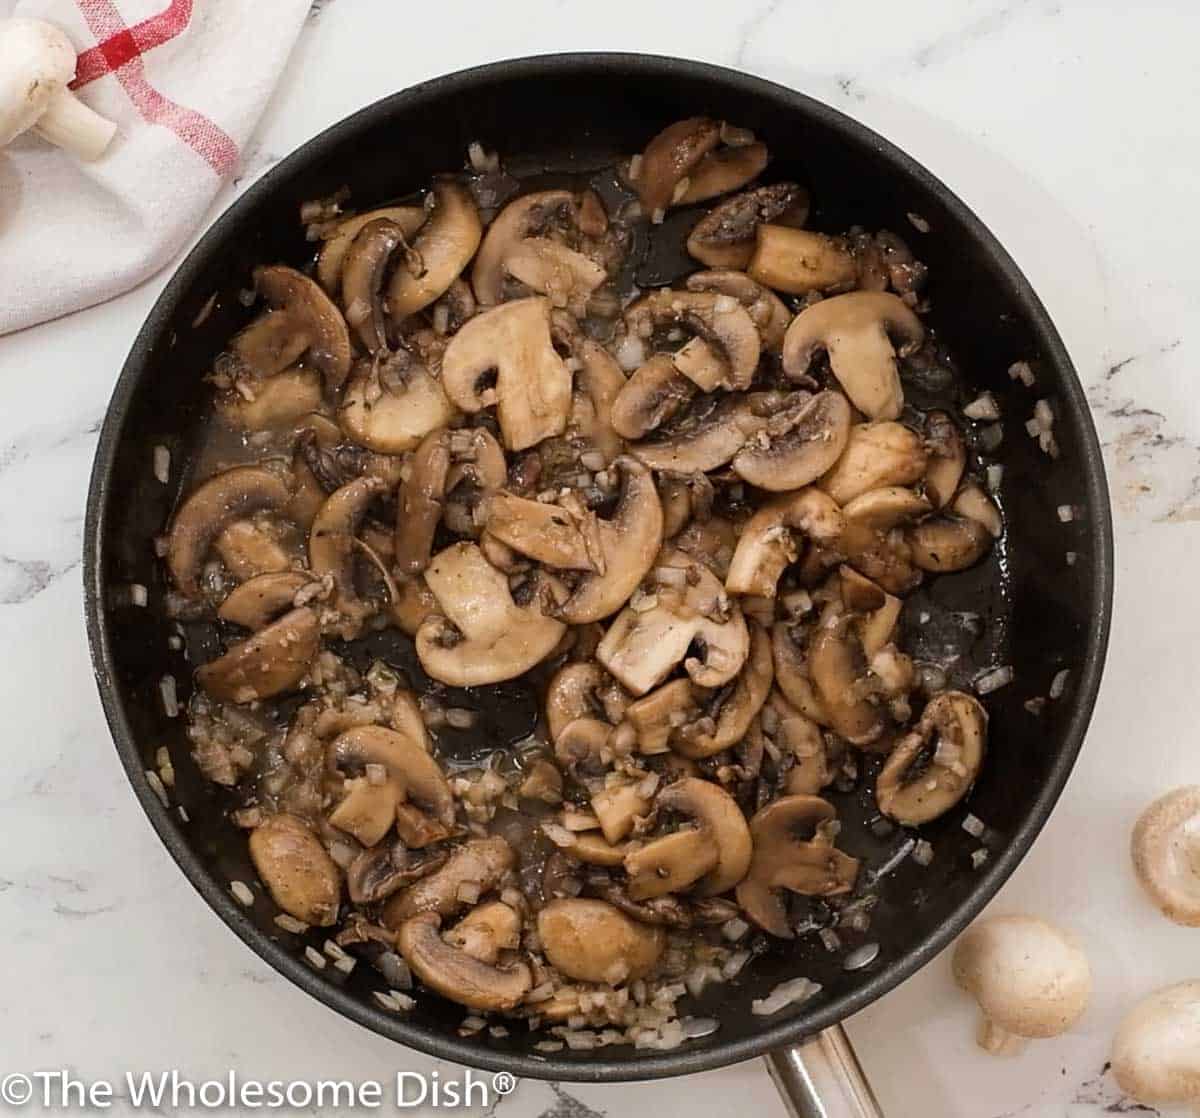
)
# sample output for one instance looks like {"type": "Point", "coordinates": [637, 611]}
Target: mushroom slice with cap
{"type": "Point", "coordinates": [510, 346]}
{"type": "Point", "coordinates": [440, 251]}
{"type": "Point", "coordinates": [301, 877]}
{"type": "Point", "coordinates": [392, 402]}
{"type": "Point", "coordinates": [947, 458]}
{"type": "Point", "coordinates": [877, 455]}
{"type": "Point", "coordinates": [266, 347]}
{"type": "Point", "coordinates": [655, 393]}
{"type": "Point", "coordinates": [362, 280]}
{"type": "Point", "coordinates": [803, 739]}
{"type": "Point", "coordinates": [257, 602]}
{"type": "Point", "coordinates": [617, 808]}
{"type": "Point", "coordinates": [1031, 979]}
{"type": "Point", "coordinates": [1166, 854]}
{"type": "Point", "coordinates": [378, 872]}
{"type": "Point", "coordinates": [550, 534]}
{"type": "Point", "coordinates": [725, 237]}
{"type": "Point", "coordinates": [419, 508]}
{"type": "Point", "coordinates": [593, 941]}
{"type": "Point", "coordinates": [716, 812]}
{"type": "Point", "coordinates": [455, 974]}
{"type": "Point", "coordinates": [267, 404]}
{"type": "Point", "coordinates": [572, 694]}
{"type": "Point", "coordinates": [723, 171]}
{"type": "Point", "coordinates": [766, 545]}
{"type": "Point", "coordinates": [566, 277]}
{"type": "Point", "coordinates": [670, 864]}
{"type": "Point", "coordinates": [249, 548]}
{"type": "Point", "coordinates": [482, 635]}
{"type": "Point", "coordinates": [272, 661]}
{"type": "Point", "coordinates": [733, 713]}
{"type": "Point", "coordinates": [224, 498]}
{"type": "Point", "coordinates": [958, 538]}
{"type": "Point", "coordinates": [628, 542]}
{"type": "Point", "coordinates": [854, 329]}
{"type": "Point", "coordinates": [696, 624]}
{"type": "Point", "coordinates": [1156, 1052]}
{"type": "Point", "coordinates": [315, 316]}
{"type": "Point", "coordinates": [838, 668]}
{"type": "Point", "coordinates": [792, 675]}
{"type": "Point", "coordinates": [479, 863]}
{"type": "Point", "coordinates": [331, 548]}
{"type": "Point", "coordinates": [478, 470]}
{"type": "Point", "coordinates": [934, 764]}
{"type": "Point", "coordinates": [873, 541]}
{"type": "Point", "coordinates": [486, 931]}
{"type": "Point", "coordinates": [766, 310]}
{"type": "Point", "coordinates": [337, 244]}
{"type": "Point", "coordinates": [413, 604]}
{"type": "Point", "coordinates": [656, 717]}
{"type": "Point", "coordinates": [792, 851]}
{"type": "Point", "coordinates": [595, 388]}
{"type": "Point", "coordinates": [591, 848]}
{"type": "Point", "coordinates": [717, 320]}
{"type": "Point", "coordinates": [799, 261]}
{"type": "Point", "coordinates": [668, 158]}
{"type": "Point", "coordinates": [797, 444]}
{"type": "Point", "coordinates": [705, 439]}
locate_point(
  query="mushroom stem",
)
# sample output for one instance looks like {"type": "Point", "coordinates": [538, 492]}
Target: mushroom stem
{"type": "Point", "coordinates": [70, 124]}
{"type": "Point", "coordinates": [998, 1040]}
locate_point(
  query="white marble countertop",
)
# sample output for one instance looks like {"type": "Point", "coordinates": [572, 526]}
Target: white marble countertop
{"type": "Point", "coordinates": [1072, 130]}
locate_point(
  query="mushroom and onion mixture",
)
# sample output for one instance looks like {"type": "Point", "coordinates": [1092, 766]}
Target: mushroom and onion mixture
{"type": "Point", "coordinates": [688, 516]}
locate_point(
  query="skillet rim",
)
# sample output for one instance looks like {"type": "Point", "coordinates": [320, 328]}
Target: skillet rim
{"type": "Point", "coordinates": [680, 1061]}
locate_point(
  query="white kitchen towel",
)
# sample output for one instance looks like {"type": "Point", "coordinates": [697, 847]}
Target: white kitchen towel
{"type": "Point", "coordinates": [185, 81]}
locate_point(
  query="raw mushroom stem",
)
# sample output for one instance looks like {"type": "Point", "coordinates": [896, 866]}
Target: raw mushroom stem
{"type": "Point", "coordinates": [68, 123]}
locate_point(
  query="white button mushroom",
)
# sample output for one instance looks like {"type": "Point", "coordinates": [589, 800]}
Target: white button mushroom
{"type": "Point", "coordinates": [37, 62]}
{"type": "Point", "coordinates": [1156, 1052]}
{"type": "Point", "coordinates": [1031, 979]}
{"type": "Point", "coordinates": [1166, 854]}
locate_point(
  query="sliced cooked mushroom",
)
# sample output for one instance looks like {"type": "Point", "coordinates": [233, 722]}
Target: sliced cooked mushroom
{"type": "Point", "coordinates": [947, 459]}
{"type": "Point", "coordinates": [413, 604]}
{"type": "Point", "coordinates": [272, 661]}
{"type": "Point", "coordinates": [657, 716]}
{"type": "Point", "coordinates": [766, 546]}
{"type": "Point", "coordinates": [441, 250]}
{"type": "Point", "coordinates": [505, 357]}
{"type": "Point", "coordinates": [934, 765]}
{"type": "Point", "coordinates": [725, 236]}
{"type": "Point", "coordinates": [301, 877]}
{"type": "Point", "coordinates": [735, 711]}
{"type": "Point", "coordinates": [552, 534]}
{"type": "Point", "coordinates": [377, 873]}
{"type": "Point", "coordinates": [877, 455]}
{"type": "Point", "coordinates": [257, 602]}
{"type": "Point", "coordinates": [331, 548]}
{"type": "Point", "coordinates": [220, 501]}
{"type": "Point", "coordinates": [792, 851]}
{"type": "Point", "coordinates": [797, 445]}
{"type": "Point", "coordinates": [655, 393]}
{"type": "Point", "coordinates": [718, 814]}
{"type": "Point", "coordinates": [1166, 854]}
{"type": "Point", "coordinates": [799, 261]}
{"type": "Point", "coordinates": [1031, 979]}
{"type": "Point", "coordinates": [617, 808]}
{"type": "Point", "coordinates": [478, 864]}
{"type": "Point", "coordinates": [543, 782]}
{"type": "Point", "coordinates": [313, 315]}
{"type": "Point", "coordinates": [486, 931]}
{"type": "Point", "coordinates": [270, 344]}
{"type": "Point", "coordinates": [419, 508]}
{"type": "Point", "coordinates": [706, 439]}
{"type": "Point", "coordinates": [596, 386]}
{"type": "Point", "coordinates": [362, 280]}
{"type": "Point", "coordinates": [792, 675]}
{"type": "Point", "coordinates": [566, 277]}
{"type": "Point", "coordinates": [698, 625]}
{"type": "Point", "coordinates": [853, 329]}
{"type": "Point", "coordinates": [478, 470]}
{"type": "Point", "coordinates": [719, 321]}
{"type": "Point", "coordinates": [333, 251]}
{"type": "Point", "coordinates": [972, 503]}
{"type": "Point", "coordinates": [765, 308]}
{"type": "Point", "coordinates": [249, 548]}
{"type": "Point", "coordinates": [455, 974]}
{"type": "Point", "coordinates": [670, 864]}
{"type": "Point", "coordinates": [572, 694]}
{"type": "Point", "coordinates": [628, 542]}
{"type": "Point", "coordinates": [875, 544]}
{"type": "Point", "coordinates": [838, 667]}
{"type": "Point", "coordinates": [801, 737]}
{"type": "Point", "coordinates": [390, 405]}
{"type": "Point", "coordinates": [482, 635]}
{"type": "Point", "coordinates": [720, 172]}
{"type": "Point", "coordinates": [593, 941]}
{"type": "Point", "coordinates": [956, 539]}
{"type": "Point", "coordinates": [1156, 1052]}
{"type": "Point", "coordinates": [668, 158]}
{"type": "Point", "coordinates": [264, 405]}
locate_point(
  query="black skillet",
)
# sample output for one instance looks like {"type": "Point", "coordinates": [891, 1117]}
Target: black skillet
{"type": "Point", "coordinates": [1028, 606]}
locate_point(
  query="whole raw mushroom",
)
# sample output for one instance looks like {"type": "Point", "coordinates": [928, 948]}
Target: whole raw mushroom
{"type": "Point", "coordinates": [1156, 1052]}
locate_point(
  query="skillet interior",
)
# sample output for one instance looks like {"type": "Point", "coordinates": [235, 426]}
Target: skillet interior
{"type": "Point", "coordinates": [1040, 614]}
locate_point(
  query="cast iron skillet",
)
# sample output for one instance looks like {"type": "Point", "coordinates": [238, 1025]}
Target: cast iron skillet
{"type": "Point", "coordinates": [1040, 613]}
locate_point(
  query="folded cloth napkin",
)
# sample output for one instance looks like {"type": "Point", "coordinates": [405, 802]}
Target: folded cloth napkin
{"type": "Point", "coordinates": [185, 81]}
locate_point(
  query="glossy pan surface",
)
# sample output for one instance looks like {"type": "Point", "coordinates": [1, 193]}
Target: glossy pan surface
{"type": "Point", "coordinates": [1026, 606]}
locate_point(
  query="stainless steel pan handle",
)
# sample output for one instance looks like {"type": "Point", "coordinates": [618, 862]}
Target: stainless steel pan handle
{"type": "Point", "coordinates": [822, 1078]}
